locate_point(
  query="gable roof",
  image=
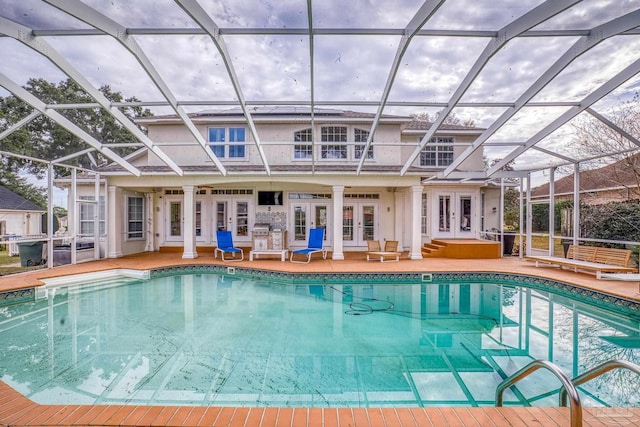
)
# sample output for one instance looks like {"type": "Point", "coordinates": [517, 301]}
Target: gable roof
{"type": "Point", "coordinates": [10, 201]}
{"type": "Point", "coordinates": [615, 175]}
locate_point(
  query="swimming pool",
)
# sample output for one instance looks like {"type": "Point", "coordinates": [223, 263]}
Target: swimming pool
{"type": "Point", "coordinates": [218, 339]}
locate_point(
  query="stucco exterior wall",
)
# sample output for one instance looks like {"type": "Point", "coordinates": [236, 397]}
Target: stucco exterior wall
{"type": "Point", "coordinates": [277, 140]}
{"type": "Point", "coordinates": [21, 222]}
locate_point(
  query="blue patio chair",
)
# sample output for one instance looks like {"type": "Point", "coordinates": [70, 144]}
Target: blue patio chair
{"type": "Point", "coordinates": [316, 242]}
{"type": "Point", "coordinates": [225, 246]}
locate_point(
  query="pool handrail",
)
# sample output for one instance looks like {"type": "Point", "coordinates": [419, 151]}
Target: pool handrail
{"type": "Point", "coordinates": [576, 405]}
{"type": "Point", "coordinates": [595, 372]}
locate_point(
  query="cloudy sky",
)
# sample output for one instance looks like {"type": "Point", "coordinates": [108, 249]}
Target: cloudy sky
{"type": "Point", "coordinates": [347, 67]}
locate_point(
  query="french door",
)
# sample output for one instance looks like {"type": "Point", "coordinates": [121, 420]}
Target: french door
{"type": "Point", "coordinates": [233, 215]}
{"type": "Point", "coordinates": [174, 220]}
{"type": "Point", "coordinates": [359, 223]}
{"type": "Point", "coordinates": [455, 215]}
{"type": "Point", "coordinates": [306, 216]}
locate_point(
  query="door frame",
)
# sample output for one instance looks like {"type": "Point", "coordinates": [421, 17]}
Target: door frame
{"type": "Point", "coordinates": [359, 220]}
{"type": "Point", "coordinates": [231, 217]}
{"type": "Point", "coordinates": [168, 201]}
{"type": "Point", "coordinates": [463, 221]}
{"type": "Point", "coordinates": [311, 221]}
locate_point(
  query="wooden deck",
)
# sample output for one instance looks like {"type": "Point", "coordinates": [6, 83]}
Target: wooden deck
{"type": "Point", "coordinates": [15, 409]}
{"type": "Point", "coordinates": [462, 249]}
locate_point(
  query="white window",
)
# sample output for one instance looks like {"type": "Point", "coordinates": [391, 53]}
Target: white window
{"type": "Point", "coordinates": [302, 149]}
{"type": "Point", "coordinates": [227, 142]}
{"type": "Point", "coordinates": [334, 139]}
{"type": "Point", "coordinates": [135, 217]}
{"type": "Point", "coordinates": [87, 216]}
{"type": "Point", "coordinates": [438, 152]}
{"type": "Point", "coordinates": [360, 137]}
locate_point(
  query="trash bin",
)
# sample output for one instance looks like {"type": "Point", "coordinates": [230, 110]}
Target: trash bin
{"type": "Point", "coordinates": [565, 246]}
{"type": "Point", "coordinates": [30, 253]}
{"type": "Point", "coordinates": [507, 244]}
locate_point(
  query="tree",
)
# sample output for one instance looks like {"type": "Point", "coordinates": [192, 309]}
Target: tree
{"type": "Point", "coordinates": [451, 119]}
{"type": "Point", "coordinates": [42, 138]}
{"type": "Point", "coordinates": [595, 138]}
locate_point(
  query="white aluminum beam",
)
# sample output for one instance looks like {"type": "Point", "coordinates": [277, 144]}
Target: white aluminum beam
{"type": "Point", "coordinates": [96, 19]}
{"type": "Point", "coordinates": [309, 103]}
{"type": "Point", "coordinates": [24, 95]}
{"type": "Point", "coordinates": [22, 34]}
{"type": "Point", "coordinates": [554, 154]}
{"type": "Point", "coordinates": [614, 126]}
{"type": "Point", "coordinates": [19, 124]}
{"type": "Point", "coordinates": [202, 18]}
{"type": "Point", "coordinates": [587, 102]}
{"type": "Point", "coordinates": [20, 156]}
{"type": "Point", "coordinates": [61, 160]}
{"type": "Point", "coordinates": [596, 35]}
{"type": "Point", "coordinates": [423, 14]}
{"type": "Point", "coordinates": [312, 85]}
{"type": "Point", "coordinates": [530, 19]}
{"type": "Point", "coordinates": [304, 31]}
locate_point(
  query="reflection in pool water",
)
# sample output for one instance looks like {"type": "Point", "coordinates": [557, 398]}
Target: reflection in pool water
{"type": "Point", "coordinates": [208, 339]}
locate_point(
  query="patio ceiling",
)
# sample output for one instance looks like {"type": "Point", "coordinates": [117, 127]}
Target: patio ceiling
{"type": "Point", "coordinates": [523, 70]}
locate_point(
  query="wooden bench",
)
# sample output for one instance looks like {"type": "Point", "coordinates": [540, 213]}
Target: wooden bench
{"type": "Point", "coordinates": [592, 258]}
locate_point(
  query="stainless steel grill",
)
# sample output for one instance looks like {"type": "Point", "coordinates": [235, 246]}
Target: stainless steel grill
{"type": "Point", "coordinates": [261, 229]}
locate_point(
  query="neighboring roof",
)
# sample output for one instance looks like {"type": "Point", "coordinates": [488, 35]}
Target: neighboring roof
{"type": "Point", "coordinates": [10, 201]}
{"type": "Point", "coordinates": [615, 175]}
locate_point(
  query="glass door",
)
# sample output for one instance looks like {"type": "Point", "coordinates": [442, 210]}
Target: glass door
{"type": "Point", "coordinates": [359, 223]}
{"type": "Point", "coordinates": [234, 215]}
{"type": "Point", "coordinates": [221, 216]}
{"type": "Point", "coordinates": [456, 215]}
{"type": "Point", "coordinates": [241, 220]}
{"type": "Point", "coordinates": [173, 222]}
{"type": "Point", "coordinates": [306, 216]}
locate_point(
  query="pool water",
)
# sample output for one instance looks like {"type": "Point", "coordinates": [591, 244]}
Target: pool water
{"type": "Point", "coordinates": [209, 339]}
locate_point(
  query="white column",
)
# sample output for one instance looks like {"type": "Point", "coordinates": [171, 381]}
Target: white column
{"type": "Point", "coordinates": [416, 216]}
{"type": "Point", "coordinates": [72, 211]}
{"type": "Point", "coordinates": [96, 217]}
{"type": "Point", "coordinates": [189, 202]}
{"type": "Point", "coordinates": [338, 203]}
{"type": "Point", "coordinates": [151, 228]}
{"type": "Point", "coordinates": [50, 230]}
{"type": "Point", "coordinates": [398, 215]}
{"type": "Point", "coordinates": [576, 203]}
{"type": "Point", "coordinates": [114, 230]}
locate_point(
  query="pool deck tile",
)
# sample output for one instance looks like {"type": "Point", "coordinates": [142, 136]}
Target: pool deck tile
{"type": "Point", "coordinates": [390, 417]}
{"type": "Point", "coordinates": [300, 417]}
{"type": "Point", "coordinates": [315, 417]}
{"type": "Point", "coordinates": [15, 409]}
{"type": "Point", "coordinates": [270, 417]}
{"type": "Point", "coordinates": [375, 417]}
{"type": "Point", "coordinates": [255, 417]}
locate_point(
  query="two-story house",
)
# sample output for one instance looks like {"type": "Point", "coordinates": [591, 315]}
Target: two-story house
{"type": "Point", "coordinates": [294, 170]}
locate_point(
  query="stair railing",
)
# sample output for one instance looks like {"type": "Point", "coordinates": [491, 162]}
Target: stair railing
{"type": "Point", "coordinates": [567, 386]}
{"type": "Point", "coordinates": [595, 372]}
